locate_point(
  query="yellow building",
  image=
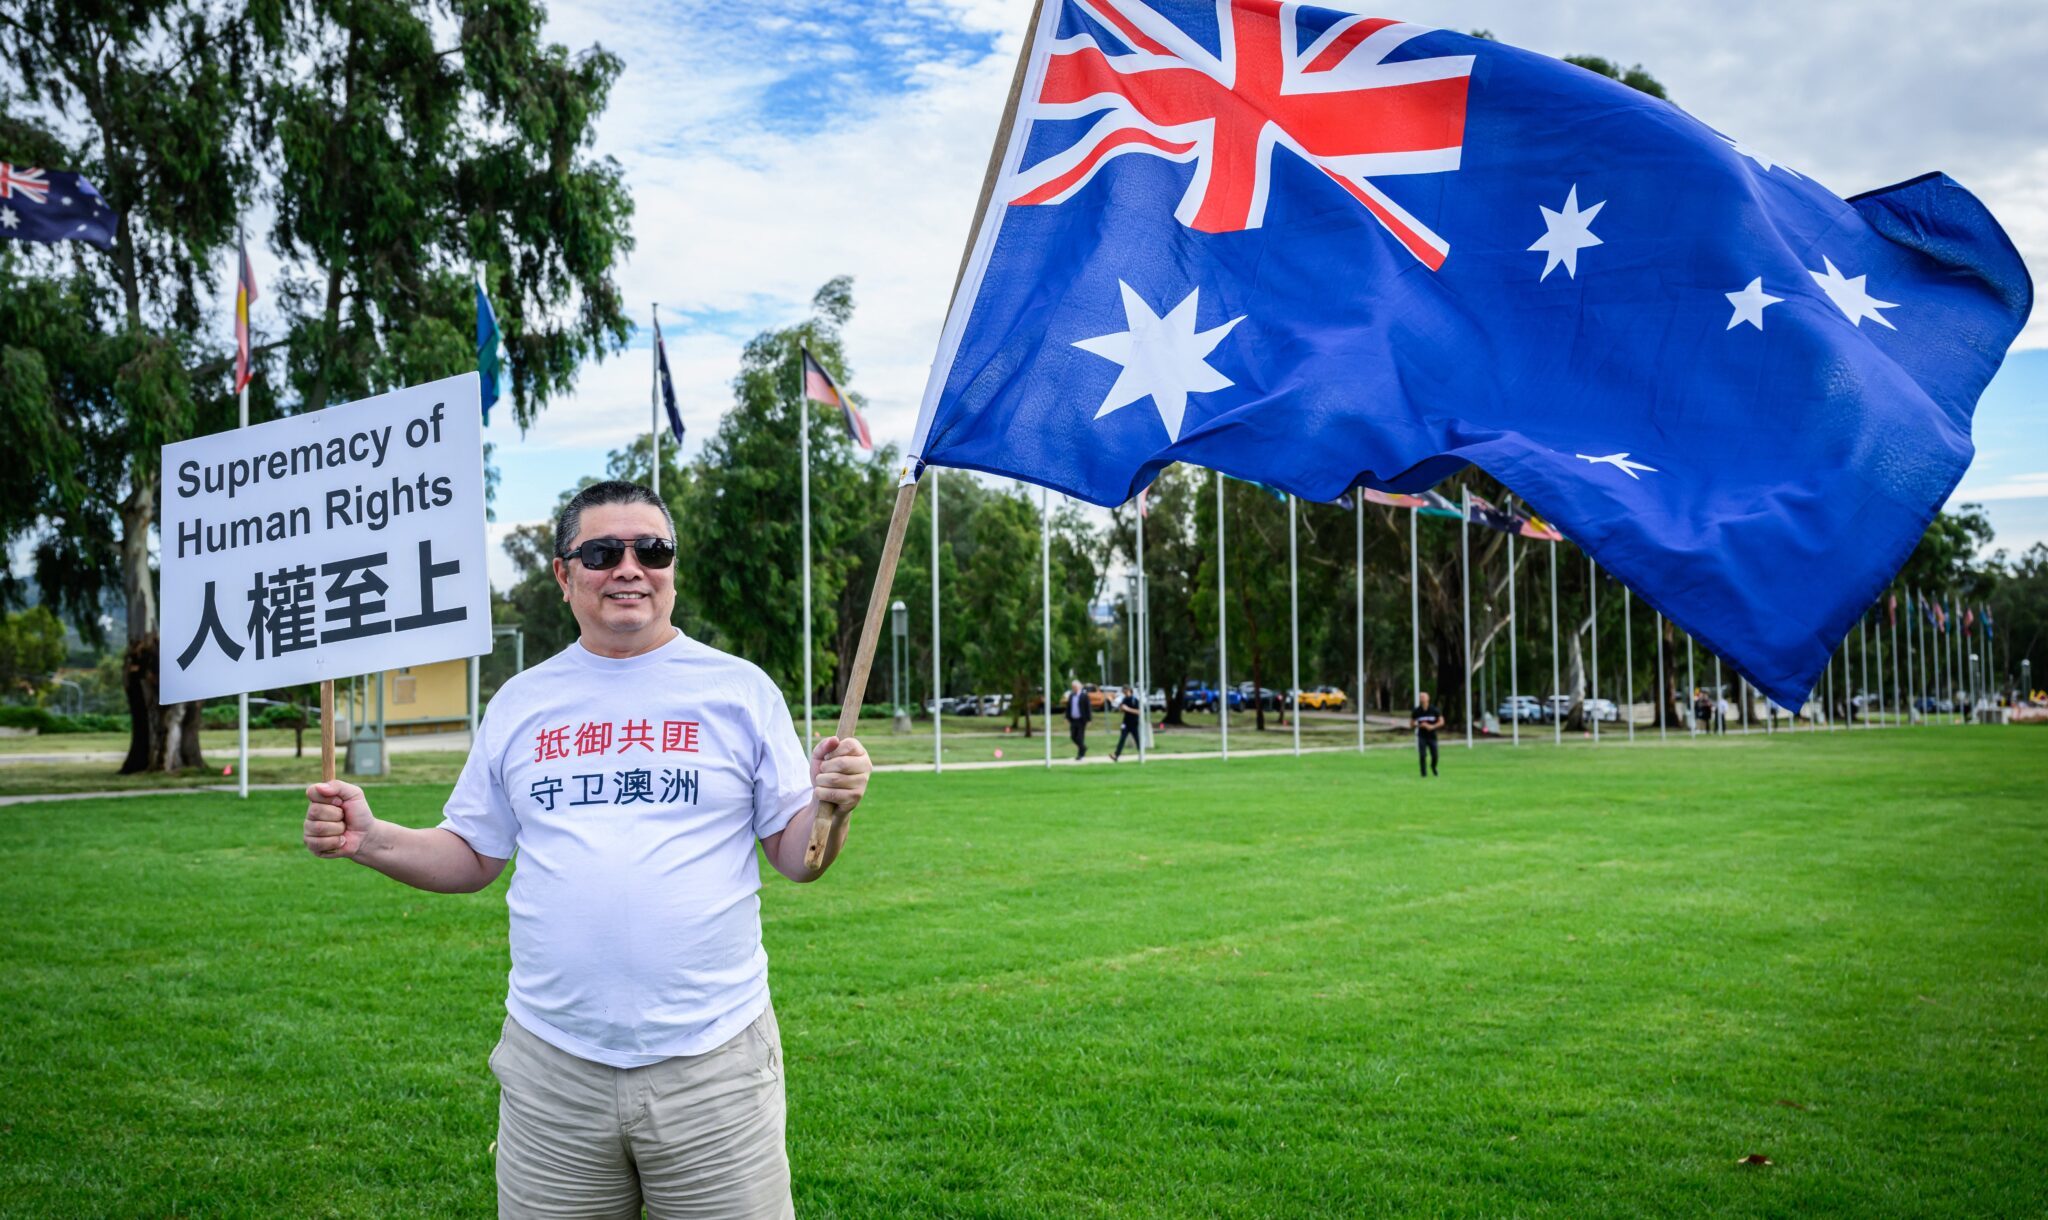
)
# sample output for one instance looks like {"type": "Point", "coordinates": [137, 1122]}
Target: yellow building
{"type": "Point", "coordinates": [417, 699]}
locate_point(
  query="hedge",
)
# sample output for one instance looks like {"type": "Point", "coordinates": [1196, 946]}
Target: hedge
{"type": "Point", "coordinates": [44, 720]}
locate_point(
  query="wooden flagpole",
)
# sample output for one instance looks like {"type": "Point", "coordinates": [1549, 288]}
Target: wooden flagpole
{"type": "Point", "coordinates": [326, 730]}
{"type": "Point", "coordinates": [828, 831]}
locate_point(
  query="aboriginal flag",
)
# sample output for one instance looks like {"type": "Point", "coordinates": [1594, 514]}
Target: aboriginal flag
{"type": "Point", "coordinates": [820, 387]}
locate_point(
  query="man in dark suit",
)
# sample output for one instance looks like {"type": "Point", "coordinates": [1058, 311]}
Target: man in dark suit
{"type": "Point", "coordinates": [1078, 716]}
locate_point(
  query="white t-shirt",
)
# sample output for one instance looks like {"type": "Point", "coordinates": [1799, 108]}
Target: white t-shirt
{"type": "Point", "coordinates": [634, 791]}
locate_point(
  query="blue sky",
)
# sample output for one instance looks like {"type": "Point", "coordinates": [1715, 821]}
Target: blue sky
{"type": "Point", "coordinates": [770, 148]}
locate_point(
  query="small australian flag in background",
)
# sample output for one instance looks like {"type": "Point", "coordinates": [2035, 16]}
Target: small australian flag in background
{"type": "Point", "coordinates": [52, 205]}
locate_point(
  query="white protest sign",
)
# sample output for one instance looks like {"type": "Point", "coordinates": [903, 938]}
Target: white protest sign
{"type": "Point", "coordinates": [325, 545]}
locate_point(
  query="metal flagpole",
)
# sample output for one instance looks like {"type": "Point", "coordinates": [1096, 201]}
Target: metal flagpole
{"type": "Point", "coordinates": [1718, 720]}
{"type": "Point", "coordinates": [1294, 617]}
{"type": "Point", "coordinates": [654, 393]}
{"type": "Point", "coordinates": [1628, 653]}
{"type": "Point", "coordinates": [1514, 661]}
{"type": "Point", "coordinates": [1144, 644]}
{"type": "Point", "coordinates": [1358, 563]}
{"type": "Point", "coordinates": [1222, 628]}
{"type": "Point", "coordinates": [938, 691]}
{"type": "Point", "coordinates": [1959, 672]}
{"type": "Point", "coordinates": [1916, 656]}
{"type": "Point", "coordinates": [1742, 685]}
{"type": "Point", "coordinates": [242, 700]}
{"type": "Point", "coordinates": [1593, 617]}
{"type": "Point", "coordinates": [1045, 602]}
{"type": "Point", "coordinates": [1556, 721]}
{"type": "Point", "coordinates": [1663, 689]}
{"type": "Point", "coordinates": [1465, 571]}
{"type": "Point", "coordinates": [1691, 684]}
{"type": "Point", "coordinates": [803, 408]}
{"type": "Point", "coordinates": [1414, 614]}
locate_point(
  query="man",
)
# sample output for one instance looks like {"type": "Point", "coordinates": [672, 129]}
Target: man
{"type": "Point", "coordinates": [1129, 706]}
{"type": "Point", "coordinates": [1078, 716]}
{"type": "Point", "coordinates": [1425, 720]}
{"type": "Point", "coordinates": [633, 773]}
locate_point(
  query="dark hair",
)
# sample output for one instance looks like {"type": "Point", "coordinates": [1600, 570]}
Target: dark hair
{"type": "Point", "coordinates": [611, 491]}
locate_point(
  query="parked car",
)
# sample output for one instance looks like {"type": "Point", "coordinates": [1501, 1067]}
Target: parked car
{"type": "Point", "coordinates": [1525, 708]}
{"type": "Point", "coordinates": [1928, 703]}
{"type": "Point", "coordinates": [1322, 699]}
{"type": "Point", "coordinates": [1156, 700]}
{"type": "Point", "coordinates": [1262, 697]}
{"type": "Point", "coordinates": [1602, 709]}
{"type": "Point", "coordinates": [1557, 707]}
{"type": "Point", "coordinates": [993, 705]}
{"type": "Point", "coordinates": [1196, 696]}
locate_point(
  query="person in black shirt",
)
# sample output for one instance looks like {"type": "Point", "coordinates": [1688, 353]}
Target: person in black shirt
{"type": "Point", "coordinates": [1078, 716]}
{"type": "Point", "coordinates": [1128, 705]}
{"type": "Point", "coordinates": [1425, 720]}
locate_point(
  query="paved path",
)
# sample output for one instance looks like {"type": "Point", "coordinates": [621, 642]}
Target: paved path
{"type": "Point", "coordinates": [409, 743]}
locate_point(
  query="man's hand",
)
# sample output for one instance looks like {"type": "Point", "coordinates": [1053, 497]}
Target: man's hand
{"type": "Point", "coordinates": [839, 772]}
{"type": "Point", "coordinates": [337, 818]}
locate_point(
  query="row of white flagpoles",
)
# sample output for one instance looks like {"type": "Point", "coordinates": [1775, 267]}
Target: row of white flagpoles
{"type": "Point", "coordinates": [1946, 669]}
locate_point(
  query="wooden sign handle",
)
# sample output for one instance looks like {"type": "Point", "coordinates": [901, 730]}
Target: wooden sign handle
{"type": "Point", "coordinates": [327, 729]}
{"type": "Point", "coordinates": [828, 830]}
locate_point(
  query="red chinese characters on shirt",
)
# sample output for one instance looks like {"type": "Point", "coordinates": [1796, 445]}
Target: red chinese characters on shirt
{"type": "Point", "coordinates": [598, 737]}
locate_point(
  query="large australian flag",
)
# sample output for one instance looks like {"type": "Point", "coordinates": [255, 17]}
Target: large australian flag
{"type": "Point", "coordinates": [52, 205]}
{"type": "Point", "coordinates": [1320, 250]}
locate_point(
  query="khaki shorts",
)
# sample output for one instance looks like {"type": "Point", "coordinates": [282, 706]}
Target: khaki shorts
{"type": "Point", "coordinates": [697, 1135]}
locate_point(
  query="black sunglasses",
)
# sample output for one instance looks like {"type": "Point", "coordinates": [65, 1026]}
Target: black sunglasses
{"type": "Point", "coordinates": [599, 554]}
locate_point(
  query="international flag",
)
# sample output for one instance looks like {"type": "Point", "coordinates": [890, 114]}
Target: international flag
{"type": "Point", "coordinates": [1323, 250]}
{"type": "Point", "coordinates": [53, 205]}
{"type": "Point", "coordinates": [668, 387]}
{"type": "Point", "coordinates": [1536, 527]}
{"type": "Point", "coordinates": [488, 361]}
{"type": "Point", "coordinates": [1435, 505]}
{"type": "Point", "coordinates": [245, 295]}
{"type": "Point", "coordinates": [1892, 611]}
{"type": "Point", "coordinates": [820, 387]}
{"type": "Point", "coordinates": [1987, 622]}
{"type": "Point", "coordinates": [1392, 499]}
{"type": "Point", "coordinates": [1484, 513]}
{"type": "Point", "coordinates": [1969, 619]}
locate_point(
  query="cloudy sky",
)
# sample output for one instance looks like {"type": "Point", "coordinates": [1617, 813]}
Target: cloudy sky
{"type": "Point", "coordinates": [772, 147]}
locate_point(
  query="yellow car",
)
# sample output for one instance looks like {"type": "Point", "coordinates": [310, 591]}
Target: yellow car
{"type": "Point", "coordinates": [1323, 699]}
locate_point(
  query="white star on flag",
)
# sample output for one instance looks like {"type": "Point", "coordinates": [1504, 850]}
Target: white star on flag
{"type": "Point", "coordinates": [1750, 304]}
{"type": "Point", "coordinates": [1565, 234]}
{"type": "Point", "coordinates": [1763, 160]}
{"type": "Point", "coordinates": [8, 220]}
{"type": "Point", "coordinates": [1851, 297]}
{"type": "Point", "coordinates": [1620, 462]}
{"type": "Point", "coordinates": [1162, 357]}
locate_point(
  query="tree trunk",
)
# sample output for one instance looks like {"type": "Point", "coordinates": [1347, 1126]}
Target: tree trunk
{"type": "Point", "coordinates": [159, 738]}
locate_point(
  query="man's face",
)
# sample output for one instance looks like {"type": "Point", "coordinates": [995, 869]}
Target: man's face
{"type": "Point", "coordinates": [1077, 686]}
{"type": "Point", "coordinates": [618, 603]}
{"type": "Point", "coordinates": [1425, 699]}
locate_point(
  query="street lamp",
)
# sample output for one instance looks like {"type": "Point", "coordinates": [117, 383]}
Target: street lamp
{"type": "Point", "coordinates": [899, 634]}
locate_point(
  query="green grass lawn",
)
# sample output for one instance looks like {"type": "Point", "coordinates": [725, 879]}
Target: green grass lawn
{"type": "Point", "coordinates": [1552, 983]}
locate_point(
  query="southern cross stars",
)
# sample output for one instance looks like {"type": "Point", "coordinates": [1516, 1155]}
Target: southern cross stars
{"type": "Point", "coordinates": [1763, 160]}
{"type": "Point", "coordinates": [1162, 357]}
{"type": "Point", "coordinates": [1750, 304]}
{"type": "Point", "coordinates": [1851, 297]}
{"type": "Point", "coordinates": [1565, 234]}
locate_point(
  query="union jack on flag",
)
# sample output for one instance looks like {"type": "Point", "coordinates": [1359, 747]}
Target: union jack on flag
{"type": "Point", "coordinates": [52, 205]}
{"type": "Point", "coordinates": [1330, 97]}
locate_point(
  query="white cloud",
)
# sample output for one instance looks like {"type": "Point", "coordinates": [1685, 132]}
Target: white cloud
{"type": "Point", "coordinates": [2027, 486]}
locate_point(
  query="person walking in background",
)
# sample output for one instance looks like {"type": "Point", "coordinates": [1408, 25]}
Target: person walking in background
{"type": "Point", "coordinates": [1702, 711]}
{"type": "Point", "coordinates": [1425, 720]}
{"type": "Point", "coordinates": [1129, 706]}
{"type": "Point", "coordinates": [1078, 716]}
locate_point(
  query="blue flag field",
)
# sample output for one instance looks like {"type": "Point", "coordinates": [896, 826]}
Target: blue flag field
{"type": "Point", "coordinates": [1319, 250]}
